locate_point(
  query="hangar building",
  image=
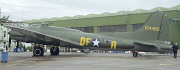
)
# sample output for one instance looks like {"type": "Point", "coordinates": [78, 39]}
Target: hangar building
{"type": "Point", "coordinates": [120, 23]}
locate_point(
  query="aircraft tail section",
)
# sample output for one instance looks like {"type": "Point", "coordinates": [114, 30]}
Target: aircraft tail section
{"type": "Point", "coordinates": [156, 27]}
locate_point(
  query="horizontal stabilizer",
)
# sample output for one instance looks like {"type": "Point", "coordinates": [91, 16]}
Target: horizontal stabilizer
{"type": "Point", "coordinates": [145, 47]}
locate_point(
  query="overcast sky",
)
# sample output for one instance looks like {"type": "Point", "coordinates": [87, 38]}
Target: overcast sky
{"type": "Point", "coordinates": [37, 9]}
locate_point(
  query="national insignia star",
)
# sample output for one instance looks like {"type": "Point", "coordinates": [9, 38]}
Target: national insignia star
{"type": "Point", "coordinates": [96, 43]}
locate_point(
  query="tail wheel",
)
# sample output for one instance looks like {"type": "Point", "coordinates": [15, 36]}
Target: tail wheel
{"type": "Point", "coordinates": [54, 51]}
{"type": "Point", "coordinates": [135, 54]}
{"type": "Point", "coordinates": [38, 51]}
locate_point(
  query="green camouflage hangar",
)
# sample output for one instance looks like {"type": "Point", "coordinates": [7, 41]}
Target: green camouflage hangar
{"type": "Point", "coordinates": [120, 23]}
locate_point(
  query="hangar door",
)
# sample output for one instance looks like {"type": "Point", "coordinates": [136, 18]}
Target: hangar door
{"type": "Point", "coordinates": [113, 28]}
{"type": "Point", "coordinates": [85, 29]}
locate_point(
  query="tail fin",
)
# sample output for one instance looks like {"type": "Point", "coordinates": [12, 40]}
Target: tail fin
{"type": "Point", "coordinates": [156, 27]}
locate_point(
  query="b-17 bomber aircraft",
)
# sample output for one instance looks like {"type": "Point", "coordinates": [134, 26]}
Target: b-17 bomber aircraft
{"type": "Point", "coordinates": [153, 36]}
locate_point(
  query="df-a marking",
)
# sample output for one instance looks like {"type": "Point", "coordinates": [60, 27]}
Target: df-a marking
{"type": "Point", "coordinates": [86, 41]}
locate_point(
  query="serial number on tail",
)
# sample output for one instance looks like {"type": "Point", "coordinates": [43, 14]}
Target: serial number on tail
{"type": "Point", "coordinates": [152, 28]}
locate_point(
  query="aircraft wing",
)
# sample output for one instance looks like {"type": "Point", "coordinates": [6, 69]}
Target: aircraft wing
{"type": "Point", "coordinates": [47, 37]}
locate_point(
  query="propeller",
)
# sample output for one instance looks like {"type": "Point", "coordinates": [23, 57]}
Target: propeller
{"type": "Point", "coordinates": [9, 41]}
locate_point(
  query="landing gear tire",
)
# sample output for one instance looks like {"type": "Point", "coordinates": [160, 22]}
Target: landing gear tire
{"type": "Point", "coordinates": [135, 54]}
{"type": "Point", "coordinates": [54, 51]}
{"type": "Point", "coordinates": [38, 51]}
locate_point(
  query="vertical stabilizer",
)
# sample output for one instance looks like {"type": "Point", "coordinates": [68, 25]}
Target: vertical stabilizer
{"type": "Point", "coordinates": [156, 27]}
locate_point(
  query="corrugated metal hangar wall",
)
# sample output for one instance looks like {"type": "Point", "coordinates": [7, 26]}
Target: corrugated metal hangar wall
{"type": "Point", "coordinates": [119, 23]}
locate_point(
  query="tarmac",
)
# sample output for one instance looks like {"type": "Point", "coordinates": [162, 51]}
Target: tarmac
{"type": "Point", "coordinates": [91, 61]}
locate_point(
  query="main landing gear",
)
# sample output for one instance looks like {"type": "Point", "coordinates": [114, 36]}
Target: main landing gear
{"type": "Point", "coordinates": [38, 51]}
{"type": "Point", "coordinates": [54, 51]}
